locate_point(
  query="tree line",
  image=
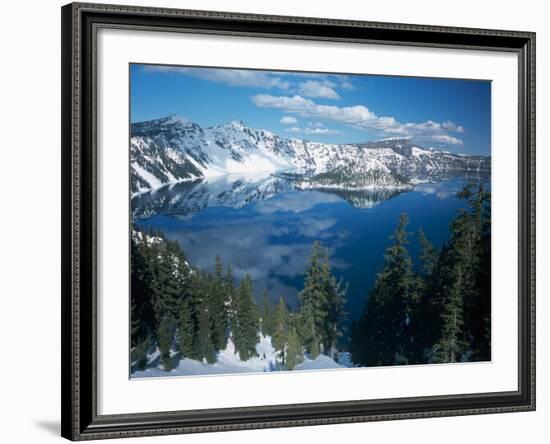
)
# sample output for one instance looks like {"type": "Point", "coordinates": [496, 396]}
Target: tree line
{"type": "Point", "coordinates": [439, 310]}
{"type": "Point", "coordinates": [186, 312]}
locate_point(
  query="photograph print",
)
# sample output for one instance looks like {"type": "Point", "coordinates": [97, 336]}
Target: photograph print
{"type": "Point", "coordinates": [300, 221]}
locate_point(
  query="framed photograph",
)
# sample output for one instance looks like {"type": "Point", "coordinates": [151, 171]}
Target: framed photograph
{"type": "Point", "coordinates": [280, 221]}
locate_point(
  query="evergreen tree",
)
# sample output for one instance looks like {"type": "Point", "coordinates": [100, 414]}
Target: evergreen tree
{"type": "Point", "coordinates": [167, 282]}
{"type": "Point", "coordinates": [280, 329]}
{"type": "Point", "coordinates": [266, 315]}
{"type": "Point", "coordinates": [314, 300]}
{"type": "Point", "coordinates": [139, 355]}
{"type": "Point", "coordinates": [204, 348]}
{"type": "Point", "coordinates": [451, 345]}
{"type": "Point", "coordinates": [477, 318]}
{"type": "Point", "coordinates": [142, 312]}
{"type": "Point", "coordinates": [388, 316]}
{"type": "Point", "coordinates": [357, 335]}
{"type": "Point", "coordinates": [165, 340]}
{"type": "Point", "coordinates": [309, 331]}
{"type": "Point", "coordinates": [336, 299]}
{"type": "Point", "coordinates": [247, 323]}
{"type": "Point", "coordinates": [165, 294]}
{"type": "Point", "coordinates": [294, 350]}
{"type": "Point", "coordinates": [428, 254]}
{"type": "Point", "coordinates": [198, 303]}
{"type": "Point", "coordinates": [231, 301]}
{"type": "Point", "coordinates": [218, 307]}
{"type": "Point", "coordinates": [187, 327]}
{"type": "Point", "coordinates": [467, 277]}
{"type": "Point", "coordinates": [427, 313]}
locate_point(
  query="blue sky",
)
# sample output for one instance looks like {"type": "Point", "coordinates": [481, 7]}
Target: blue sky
{"type": "Point", "coordinates": [453, 115]}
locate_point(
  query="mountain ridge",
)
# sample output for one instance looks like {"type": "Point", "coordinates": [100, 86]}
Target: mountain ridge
{"type": "Point", "coordinates": [174, 149]}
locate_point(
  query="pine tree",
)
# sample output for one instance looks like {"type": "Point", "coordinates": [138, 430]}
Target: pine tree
{"type": "Point", "coordinates": [314, 300]}
{"type": "Point", "coordinates": [231, 301]}
{"type": "Point", "coordinates": [309, 331]}
{"type": "Point", "coordinates": [165, 340]}
{"type": "Point", "coordinates": [167, 281]}
{"type": "Point", "coordinates": [218, 307]}
{"type": "Point", "coordinates": [467, 278]}
{"type": "Point", "coordinates": [142, 312]}
{"type": "Point", "coordinates": [204, 348]}
{"type": "Point", "coordinates": [477, 319]}
{"type": "Point", "coordinates": [246, 325]}
{"type": "Point", "coordinates": [139, 355]}
{"type": "Point", "coordinates": [165, 294]}
{"type": "Point", "coordinates": [427, 314]}
{"type": "Point", "coordinates": [428, 254]}
{"type": "Point", "coordinates": [390, 305]}
{"type": "Point", "coordinates": [336, 299]}
{"type": "Point", "coordinates": [187, 327]}
{"type": "Point", "coordinates": [266, 315]}
{"type": "Point", "coordinates": [280, 329]}
{"type": "Point", "coordinates": [451, 345]}
{"type": "Point", "coordinates": [194, 322]}
{"type": "Point", "coordinates": [294, 350]}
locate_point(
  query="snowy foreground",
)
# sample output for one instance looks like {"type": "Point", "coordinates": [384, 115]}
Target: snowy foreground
{"type": "Point", "coordinates": [229, 362]}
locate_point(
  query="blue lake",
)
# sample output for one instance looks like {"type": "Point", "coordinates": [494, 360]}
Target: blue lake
{"type": "Point", "coordinates": [265, 227]}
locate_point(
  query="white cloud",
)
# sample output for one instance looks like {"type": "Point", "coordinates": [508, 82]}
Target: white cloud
{"type": "Point", "coordinates": [345, 83]}
{"type": "Point", "coordinates": [294, 129]}
{"type": "Point", "coordinates": [317, 129]}
{"type": "Point", "coordinates": [360, 117]}
{"type": "Point", "coordinates": [315, 88]}
{"type": "Point", "coordinates": [355, 115]}
{"type": "Point", "coordinates": [451, 126]}
{"type": "Point", "coordinates": [288, 120]}
{"type": "Point", "coordinates": [231, 77]}
{"type": "Point", "coordinates": [320, 131]}
{"type": "Point", "coordinates": [336, 81]}
{"type": "Point", "coordinates": [446, 139]}
{"type": "Point", "coordinates": [315, 85]}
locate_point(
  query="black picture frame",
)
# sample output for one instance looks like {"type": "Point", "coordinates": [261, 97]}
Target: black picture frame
{"type": "Point", "coordinates": [80, 22]}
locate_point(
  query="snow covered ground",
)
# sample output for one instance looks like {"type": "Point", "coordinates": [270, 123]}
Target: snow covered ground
{"type": "Point", "coordinates": [229, 362]}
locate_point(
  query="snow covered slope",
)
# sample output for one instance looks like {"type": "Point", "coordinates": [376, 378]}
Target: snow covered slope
{"type": "Point", "coordinates": [229, 362]}
{"type": "Point", "coordinates": [173, 149]}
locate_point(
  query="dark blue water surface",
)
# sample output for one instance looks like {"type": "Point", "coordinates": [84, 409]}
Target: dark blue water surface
{"type": "Point", "coordinates": [266, 228]}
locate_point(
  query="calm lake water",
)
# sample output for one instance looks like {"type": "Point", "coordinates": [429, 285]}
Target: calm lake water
{"type": "Point", "coordinates": [265, 227]}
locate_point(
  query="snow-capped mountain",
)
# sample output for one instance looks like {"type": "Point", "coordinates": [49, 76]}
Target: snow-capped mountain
{"type": "Point", "coordinates": [173, 149]}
